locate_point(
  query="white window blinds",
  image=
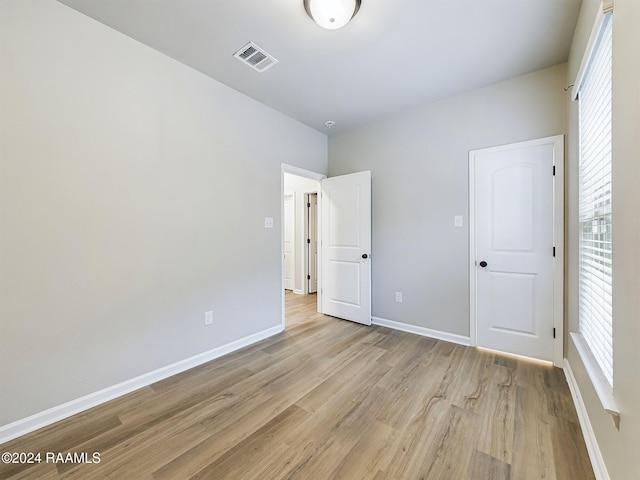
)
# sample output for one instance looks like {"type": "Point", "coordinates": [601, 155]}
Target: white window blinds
{"type": "Point", "coordinates": [595, 306]}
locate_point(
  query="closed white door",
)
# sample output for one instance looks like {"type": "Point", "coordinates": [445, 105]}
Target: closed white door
{"type": "Point", "coordinates": [289, 241]}
{"type": "Point", "coordinates": [514, 248]}
{"type": "Point", "coordinates": [312, 242]}
{"type": "Point", "coordinates": [346, 247]}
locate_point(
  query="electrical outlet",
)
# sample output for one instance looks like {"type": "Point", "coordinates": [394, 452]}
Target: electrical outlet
{"type": "Point", "coordinates": [399, 297]}
{"type": "Point", "coordinates": [268, 222]}
{"type": "Point", "coordinates": [457, 221]}
{"type": "Point", "coordinates": [208, 317]}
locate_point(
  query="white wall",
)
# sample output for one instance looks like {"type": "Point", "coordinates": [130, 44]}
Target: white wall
{"type": "Point", "coordinates": [131, 202]}
{"type": "Point", "coordinates": [619, 448]}
{"type": "Point", "coordinates": [300, 186]}
{"type": "Point", "coordinates": [419, 164]}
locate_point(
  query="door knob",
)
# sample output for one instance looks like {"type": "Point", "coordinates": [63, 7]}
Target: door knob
{"type": "Point", "coordinates": [364, 255]}
{"type": "Point", "coordinates": [483, 264]}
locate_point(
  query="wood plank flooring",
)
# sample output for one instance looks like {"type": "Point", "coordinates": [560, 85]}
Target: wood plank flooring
{"type": "Point", "coordinates": [329, 399]}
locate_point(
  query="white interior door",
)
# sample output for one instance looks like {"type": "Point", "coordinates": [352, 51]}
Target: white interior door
{"type": "Point", "coordinates": [289, 241]}
{"type": "Point", "coordinates": [312, 242]}
{"type": "Point", "coordinates": [514, 270]}
{"type": "Point", "coordinates": [346, 247]}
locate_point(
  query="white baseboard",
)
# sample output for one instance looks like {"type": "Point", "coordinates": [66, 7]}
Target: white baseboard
{"type": "Point", "coordinates": [60, 412]}
{"type": "Point", "coordinates": [597, 462]}
{"type": "Point", "coordinates": [425, 332]}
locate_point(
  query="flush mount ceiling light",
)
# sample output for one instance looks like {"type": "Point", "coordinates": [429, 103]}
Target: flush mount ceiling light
{"type": "Point", "coordinates": [331, 14]}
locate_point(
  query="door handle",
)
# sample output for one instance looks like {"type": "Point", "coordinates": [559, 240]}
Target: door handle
{"type": "Point", "coordinates": [483, 264]}
{"type": "Point", "coordinates": [364, 255]}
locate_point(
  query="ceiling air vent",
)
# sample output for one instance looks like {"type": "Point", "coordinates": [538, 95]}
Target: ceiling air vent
{"type": "Point", "coordinates": [255, 57]}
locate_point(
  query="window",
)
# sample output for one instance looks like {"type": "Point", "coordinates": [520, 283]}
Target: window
{"type": "Point", "coordinates": [594, 298]}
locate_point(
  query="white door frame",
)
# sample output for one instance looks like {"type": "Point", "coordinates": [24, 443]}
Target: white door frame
{"type": "Point", "coordinates": [292, 195]}
{"type": "Point", "coordinates": [307, 200]}
{"type": "Point", "coordinates": [301, 172]}
{"type": "Point", "coordinates": [558, 239]}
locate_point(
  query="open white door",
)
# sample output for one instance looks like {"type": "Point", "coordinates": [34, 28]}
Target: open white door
{"type": "Point", "coordinates": [346, 247]}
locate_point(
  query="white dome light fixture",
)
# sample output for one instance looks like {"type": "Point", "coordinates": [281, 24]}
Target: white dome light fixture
{"type": "Point", "coordinates": [332, 14]}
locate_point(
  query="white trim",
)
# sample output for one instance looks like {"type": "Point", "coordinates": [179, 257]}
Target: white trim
{"type": "Point", "coordinates": [301, 172]}
{"type": "Point", "coordinates": [598, 380]}
{"type": "Point", "coordinates": [597, 462]}
{"type": "Point", "coordinates": [294, 220]}
{"type": "Point", "coordinates": [423, 331]}
{"type": "Point", "coordinates": [558, 239]}
{"type": "Point", "coordinates": [73, 407]}
{"type": "Point", "coordinates": [473, 253]}
{"type": "Point", "coordinates": [558, 242]}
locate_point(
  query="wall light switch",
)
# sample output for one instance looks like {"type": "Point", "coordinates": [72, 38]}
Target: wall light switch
{"type": "Point", "coordinates": [208, 317]}
{"type": "Point", "coordinates": [268, 222]}
{"type": "Point", "coordinates": [457, 221]}
{"type": "Point", "coordinates": [399, 297]}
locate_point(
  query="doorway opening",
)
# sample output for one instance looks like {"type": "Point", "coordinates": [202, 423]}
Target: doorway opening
{"type": "Point", "coordinates": [343, 226]}
{"type": "Point", "coordinates": [300, 254]}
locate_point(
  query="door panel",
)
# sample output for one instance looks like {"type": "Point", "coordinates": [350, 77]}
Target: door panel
{"type": "Point", "coordinates": [344, 210]}
{"type": "Point", "coordinates": [514, 236]}
{"type": "Point", "coordinates": [512, 203]}
{"type": "Point", "coordinates": [513, 303]}
{"type": "Point", "coordinates": [345, 286]}
{"type": "Point", "coordinates": [346, 247]}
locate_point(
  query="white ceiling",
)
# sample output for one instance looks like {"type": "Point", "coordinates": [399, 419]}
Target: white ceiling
{"type": "Point", "coordinates": [393, 56]}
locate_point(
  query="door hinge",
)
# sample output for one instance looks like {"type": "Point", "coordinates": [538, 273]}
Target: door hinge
{"type": "Point", "coordinates": [554, 333]}
{"type": "Point", "coordinates": [554, 251]}
{"type": "Point", "coordinates": [308, 240]}
{"type": "Point", "coordinates": [308, 205]}
{"type": "Point", "coordinates": [554, 170]}
{"type": "Point", "coordinates": [308, 277]}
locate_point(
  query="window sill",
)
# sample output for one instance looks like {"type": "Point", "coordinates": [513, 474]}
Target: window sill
{"type": "Point", "coordinates": [602, 387]}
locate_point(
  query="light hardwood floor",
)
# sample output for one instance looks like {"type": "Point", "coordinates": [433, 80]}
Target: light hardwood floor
{"type": "Point", "coordinates": [330, 399]}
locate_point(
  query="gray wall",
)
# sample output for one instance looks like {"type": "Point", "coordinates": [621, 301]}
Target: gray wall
{"type": "Point", "coordinates": [419, 164]}
{"type": "Point", "coordinates": [131, 202]}
{"type": "Point", "coordinates": [619, 447]}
